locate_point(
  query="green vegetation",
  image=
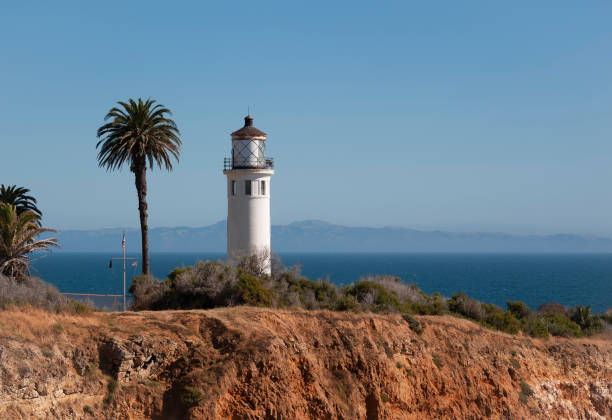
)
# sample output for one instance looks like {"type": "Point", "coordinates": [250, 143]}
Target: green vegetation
{"type": "Point", "coordinates": [18, 239]}
{"type": "Point", "coordinates": [20, 198]}
{"type": "Point", "coordinates": [415, 325]}
{"type": "Point", "coordinates": [437, 361]}
{"type": "Point", "coordinates": [20, 227]}
{"type": "Point", "coordinates": [525, 392]}
{"type": "Point", "coordinates": [111, 388]}
{"type": "Point", "coordinates": [384, 397]}
{"type": "Point", "coordinates": [212, 284]}
{"type": "Point", "coordinates": [191, 395]}
{"type": "Point", "coordinates": [139, 135]}
{"type": "Point", "coordinates": [148, 382]}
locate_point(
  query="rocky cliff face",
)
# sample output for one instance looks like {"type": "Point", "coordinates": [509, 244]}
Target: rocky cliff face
{"type": "Point", "coordinates": [256, 363]}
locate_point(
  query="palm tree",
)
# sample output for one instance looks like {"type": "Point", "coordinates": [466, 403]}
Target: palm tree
{"type": "Point", "coordinates": [18, 197]}
{"type": "Point", "coordinates": [138, 134]}
{"type": "Point", "coordinates": [18, 232]}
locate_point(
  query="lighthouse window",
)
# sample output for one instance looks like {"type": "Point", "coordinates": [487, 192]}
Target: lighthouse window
{"type": "Point", "coordinates": [247, 187]}
{"type": "Point", "coordinates": [234, 189]}
{"type": "Point", "coordinates": [263, 188]}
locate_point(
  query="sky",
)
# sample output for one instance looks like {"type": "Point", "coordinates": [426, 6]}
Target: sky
{"type": "Point", "coordinates": [460, 116]}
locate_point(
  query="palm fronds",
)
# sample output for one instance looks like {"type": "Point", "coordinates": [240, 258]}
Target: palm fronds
{"type": "Point", "coordinates": [138, 133]}
{"type": "Point", "coordinates": [18, 239]}
{"type": "Point", "coordinates": [20, 198]}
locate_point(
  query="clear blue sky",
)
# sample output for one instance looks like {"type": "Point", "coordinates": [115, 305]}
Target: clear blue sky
{"type": "Point", "coordinates": [466, 116]}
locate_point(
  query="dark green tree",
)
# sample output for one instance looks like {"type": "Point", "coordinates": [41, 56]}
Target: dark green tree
{"type": "Point", "coordinates": [141, 134]}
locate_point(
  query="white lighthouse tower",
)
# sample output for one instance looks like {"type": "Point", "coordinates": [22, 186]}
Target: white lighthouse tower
{"type": "Point", "coordinates": [248, 174]}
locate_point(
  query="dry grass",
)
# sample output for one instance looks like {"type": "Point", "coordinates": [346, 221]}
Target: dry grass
{"type": "Point", "coordinates": [38, 326]}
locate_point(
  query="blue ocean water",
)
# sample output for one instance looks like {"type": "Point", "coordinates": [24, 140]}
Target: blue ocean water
{"type": "Point", "coordinates": [584, 279]}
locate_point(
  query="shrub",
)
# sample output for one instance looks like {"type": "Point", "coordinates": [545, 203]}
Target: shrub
{"type": "Point", "coordinates": [191, 396]}
{"type": "Point", "coordinates": [251, 292]}
{"type": "Point", "coordinates": [78, 308]}
{"type": "Point", "coordinates": [518, 309]}
{"type": "Point", "coordinates": [212, 284]}
{"type": "Point", "coordinates": [525, 392]}
{"type": "Point", "coordinates": [373, 296]}
{"type": "Point", "coordinates": [535, 326]}
{"type": "Point", "coordinates": [293, 290]}
{"type": "Point", "coordinates": [32, 292]}
{"type": "Point", "coordinates": [415, 325]}
{"type": "Point", "coordinates": [515, 363]}
{"type": "Point", "coordinates": [384, 397]}
{"type": "Point", "coordinates": [347, 303]}
{"type": "Point", "coordinates": [437, 361]}
{"type": "Point", "coordinates": [434, 305]}
{"type": "Point", "coordinates": [111, 388]}
{"type": "Point", "coordinates": [589, 324]}
{"type": "Point", "coordinates": [552, 308]}
{"type": "Point", "coordinates": [393, 284]}
{"type": "Point", "coordinates": [147, 292]}
{"type": "Point", "coordinates": [562, 326]}
{"type": "Point", "coordinates": [462, 304]}
{"type": "Point", "coordinates": [501, 320]}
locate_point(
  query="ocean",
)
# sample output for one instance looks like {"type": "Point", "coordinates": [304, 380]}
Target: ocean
{"type": "Point", "coordinates": [569, 279]}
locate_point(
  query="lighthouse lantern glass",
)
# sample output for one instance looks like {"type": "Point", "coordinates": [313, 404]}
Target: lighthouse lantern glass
{"type": "Point", "coordinates": [249, 153]}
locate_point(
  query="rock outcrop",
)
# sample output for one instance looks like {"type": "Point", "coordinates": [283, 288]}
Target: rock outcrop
{"type": "Point", "coordinates": [252, 363]}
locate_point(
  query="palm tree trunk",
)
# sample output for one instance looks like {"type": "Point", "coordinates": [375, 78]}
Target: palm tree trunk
{"type": "Point", "coordinates": [141, 188]}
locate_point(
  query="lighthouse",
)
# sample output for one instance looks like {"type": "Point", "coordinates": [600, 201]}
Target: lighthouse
{"type": "Point", "coordinates": [248, 174]}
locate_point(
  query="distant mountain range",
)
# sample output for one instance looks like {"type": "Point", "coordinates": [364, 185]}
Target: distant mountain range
{"type": "Point", "coordinates": [318, 236]}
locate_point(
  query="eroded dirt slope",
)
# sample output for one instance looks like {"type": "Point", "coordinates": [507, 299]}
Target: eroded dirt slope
{"type": "Point", "coordinates": [256, 363]}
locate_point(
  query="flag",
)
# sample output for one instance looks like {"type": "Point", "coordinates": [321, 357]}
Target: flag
{"type": "Point", "coordinates": [135, 263]}
{"type": "Point", "coordinates": [123, 243]}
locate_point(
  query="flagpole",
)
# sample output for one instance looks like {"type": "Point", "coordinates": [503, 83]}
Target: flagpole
{"type": "Point", "coordinates": [124, 305]}
{"type": "Point", "coordinates": [124, 259]}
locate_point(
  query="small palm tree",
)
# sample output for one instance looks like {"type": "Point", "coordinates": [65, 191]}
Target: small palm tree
{"type": "Point", "coordinates": [18, 197]}
{"type": "Point", "coordinates": [140, 135]}
{"type": "Point", "coordinates": [18, 232]}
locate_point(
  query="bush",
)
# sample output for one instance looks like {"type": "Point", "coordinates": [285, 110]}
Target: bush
{"type": "Point", "coordinates": [212, 284]}
{"type": "Point", "coordinates": [373, 296]}
{"type": "Point", "coordinates": [535, 326]}
{"type": "Point", "coordinates": [552, 308]}
{"type": "Point", "coordinates": [437, 361]}
{"type": "Point", "coordinates": [251, 292]}
{"type": "Point", "coordinates": [589, 324]}
{"type": "Point", "coordinates": [415, 325]}
{"type": "Point", "coordinates": [504, 321]}
{"type": "Point", "coordinates": [518, 309]}
{"type": "Point", "coordinates": [434, 305]}
{"type": "Point", "coordinates": [111, 388]}
{"type": "Point", "coordinates": [525, 392]}
{"type": "Point", "coordinates": [37, 293]}
{"type": "Point", "coordinates": [191, 396]}
{"type": "Point", "coordinates": [462, 304]}
{"type": "Point", "coordinates": [147, 292]}
{"type": "Point", "coordinates": [562, 326]}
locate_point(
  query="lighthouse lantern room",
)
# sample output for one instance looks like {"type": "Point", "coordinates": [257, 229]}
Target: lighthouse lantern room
{"type": "Point", "coordinates": [248, 174]}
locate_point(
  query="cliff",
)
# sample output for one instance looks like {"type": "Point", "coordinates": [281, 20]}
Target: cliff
{"type": "Point", "coordinates": [255, 363]}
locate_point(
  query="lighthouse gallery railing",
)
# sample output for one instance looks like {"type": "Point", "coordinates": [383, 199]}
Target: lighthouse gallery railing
{"type": "Point", "coordinates": [258, 163]}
